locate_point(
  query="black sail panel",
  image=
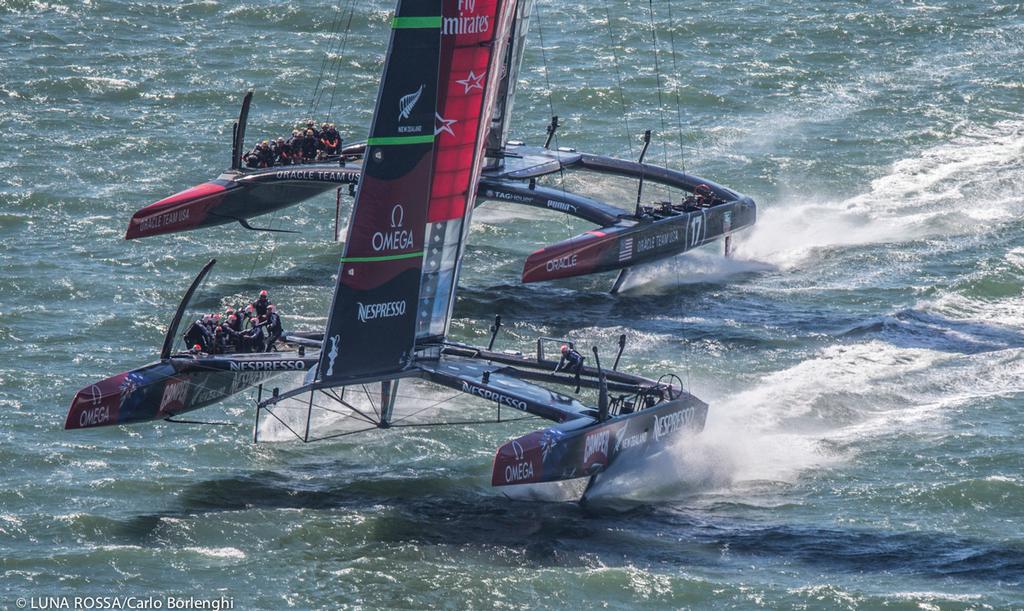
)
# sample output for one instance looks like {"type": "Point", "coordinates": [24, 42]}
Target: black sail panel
{"type": "Point", "coordinates": [372, 323]}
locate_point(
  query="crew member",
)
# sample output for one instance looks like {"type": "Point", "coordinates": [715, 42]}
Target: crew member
{"type": "Point", "coordinates": [309, 144]}
{"type": "Point", "coordinates": [198, 334]}
{"type": "Point", "coordinates": [261, 304]}
{"type": "Point", "coordinates": [282, 152]}
{"type": "Point", "coordinates": [274, 328]}
{"type": "Point", "coordinates": [571, 362]}
{"type": "Point", "coordinates": [237, 324]}
{"type": "Point", "coordinates": [704, 195]}
{"type": "Point", "coordinates": [311, 126]}
{"type": "Point", "coordinates": [255, 338]}
{"type": "Point", "coordinates": [229, 338]}
{"type": "Point", "coordinates": [295, 144]}
{"type": "Point", "coordinates": [261, 156]}
{"type": "Point", "coordinates": [330, 141]}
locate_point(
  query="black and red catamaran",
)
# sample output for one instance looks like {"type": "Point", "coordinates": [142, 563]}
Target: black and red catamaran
{"type": "Point", "coordinates": [388, 322]}
{"type": "Point", "coordinates": [624, 236]}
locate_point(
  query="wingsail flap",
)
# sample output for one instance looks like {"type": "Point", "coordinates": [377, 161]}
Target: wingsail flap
{"type": "Point", "coordinates": [473, 40]}
{"type": "Point", "coordinates": [423, 162]}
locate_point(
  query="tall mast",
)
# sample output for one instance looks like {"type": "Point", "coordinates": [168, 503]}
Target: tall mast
{"type": "Point", "coordinates": [497, 138]}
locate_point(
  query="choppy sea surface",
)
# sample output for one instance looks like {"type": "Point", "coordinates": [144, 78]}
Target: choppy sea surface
{"type": "Point", "coordinates": [863, 354]}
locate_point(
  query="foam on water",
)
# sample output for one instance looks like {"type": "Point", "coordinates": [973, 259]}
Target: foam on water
{"type": "Point", "coordinates": [970, 185]}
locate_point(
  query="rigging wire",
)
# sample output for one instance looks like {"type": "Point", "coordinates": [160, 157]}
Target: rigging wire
{"type": "Point", "coordinates": [657, 71]}
{"type": "Point", "coordinates": [551, 109]}
{"type": "Point", "coordinates": [675, 72]}
{"type": "Point", "coordinates": [618, 78]}
{"type": "Point", "coordinates": [323, 63]}
{"type": "Point", "coordinates": [341, 54]}
{"type": "Point", "coordinates": [334, 56]}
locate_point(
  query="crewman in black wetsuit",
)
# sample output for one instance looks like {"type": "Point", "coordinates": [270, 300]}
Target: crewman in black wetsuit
{"type": "Point", "coordinates": [309, 145]}
{"type": "Point", "coordinates": [255, 339]}
{"type": "Point", "coordinates": [261, 304]}
{"type": "Point", "coordinates": [295, 144]}
{"type": "Point", "coordinates": [282, 152]}
{"type": "Point", "coordinates": [261, 156]}
{"type": "Point", "coordinates": [235, 320]}
{"type": "Point", "coordinates": [198, 334]}
{"type": "Point", "coordinates": [330, 141]}
{"type": "Point", "coordinates": [572, 362]}
{"type": "Point", "coordinates": [311, 125]}
{"type": "Point", "coordinates": [229, 338]}
{"type": "Point", "coordinates": [274, 328]}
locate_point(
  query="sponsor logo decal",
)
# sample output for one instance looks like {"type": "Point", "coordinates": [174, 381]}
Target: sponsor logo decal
{"type": "Point", "coordinates": [563, 262]}
{"type": "Point", "coordinates": [387, 309]}
{"type": "Point", "coordinates": [472, 82]}
{"type": "Point", "coordinates": [596, 446]}
{"type": "Point", "coordinates": [466, 22]}
{"type": "Point", "coordinates": [645, 243]}
{"type": "Point", "coordinates": [517, 449]}
{"type": "Point", "coordinates": [518, 472]}
{"type": "Point", "coordinates": [634, 440]}
{"type": "Point", "coordinates": [395, 239]}
{"type": "Point", "coordinates": [666, 425]}
{"type": "Point", "coordinates": [443, 125]}
{"type": "Point", "coordinates": [205, 394]}
{"type": "Point", "coordinates": [168, 218]}
{"type": "Point", "coordinates": [268, 365]}
{"type": "Point", "coordinates": [407, 102]}
{"type": "Point", "coordinates": [175, 393]}
{"type": "Point", "coordinates": [507, 196]}
{"type": "Point", "coordinates": [246, 379]}
{"type": "Point", "coordinates": [333, 354]}
{"type": "Point", "coordinates": [561, 206]}
{"type": "Point", "coordinates": [342, 176]}
{"type": "Point", "coordinates": [94, 416]}
{"type": "Point", "coordinates": [490, 395]}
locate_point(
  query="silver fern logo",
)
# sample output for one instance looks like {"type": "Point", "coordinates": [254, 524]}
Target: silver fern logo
{"type": "Point", "coordinates": [407, 102]}
{"type": "Point", "coordinates": [333, 354]}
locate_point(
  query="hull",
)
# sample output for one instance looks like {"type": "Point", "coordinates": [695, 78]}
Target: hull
{"type": "Point", "coordinates": [631, 242]}
{"type": "Point", "coordinates": [174, 386]}
{"type": "Point", "coordinates": [571, 451]}
{"type": "Point", "coordinates": [234, 197]}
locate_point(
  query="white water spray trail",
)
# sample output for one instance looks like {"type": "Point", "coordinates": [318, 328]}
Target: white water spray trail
{"type": "Point", "coordinates": [969, 185]}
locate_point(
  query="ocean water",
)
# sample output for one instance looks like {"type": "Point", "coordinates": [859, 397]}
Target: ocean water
{"type": "Point", "coordinates": [863, 352]}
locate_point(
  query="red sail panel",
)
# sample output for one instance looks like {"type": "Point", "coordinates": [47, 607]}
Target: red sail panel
{"type": "Point", "coordinates": [474, 34]}
{"type": "Point", "coordinates": [467, 47]}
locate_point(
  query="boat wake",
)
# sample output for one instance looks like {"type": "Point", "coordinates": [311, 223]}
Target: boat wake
{"type": "Point", "coordinates": [970, 185]}
{"type": "Point", "coordinates": [801, 421]}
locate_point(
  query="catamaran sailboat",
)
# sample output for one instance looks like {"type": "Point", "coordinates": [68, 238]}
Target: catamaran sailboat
{"type": "Point", "coordinates": [388, 322]}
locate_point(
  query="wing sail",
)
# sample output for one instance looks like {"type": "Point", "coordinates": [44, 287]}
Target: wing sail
{"type": "Point", "coordinates": [423, 161]}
